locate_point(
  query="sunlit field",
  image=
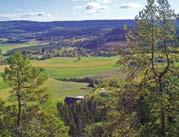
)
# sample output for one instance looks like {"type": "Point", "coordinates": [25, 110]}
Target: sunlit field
{"type": "Point", "coordinates": [72, 68]}
{"type": "Point", "coordinates": [68, 68]}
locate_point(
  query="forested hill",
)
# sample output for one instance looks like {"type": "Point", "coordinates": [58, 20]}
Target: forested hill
{"type": "Point", "coordinates": [86, 33]}
{"type": "Point", "coordinates": [44, 30]}
{"type": "Point", "coordinates": [32, 26]}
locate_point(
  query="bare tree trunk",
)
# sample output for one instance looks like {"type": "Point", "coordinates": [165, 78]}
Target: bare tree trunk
{"type": "Point", "coordinates": [19, 106]}
{"type": "Point", "coordinates": [162, 109]}
{"type": "Point", "coordinates": [19, 111]}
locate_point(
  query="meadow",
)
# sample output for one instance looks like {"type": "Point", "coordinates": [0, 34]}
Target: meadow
{"type": "Point", "coordinates": [55, 88]}
{"type": "Point", "coordinates": [7, 47]}
{"type": "Point", "coordinates": [68, 68]}
{"type": "Point", "coordinates": [72, 68]}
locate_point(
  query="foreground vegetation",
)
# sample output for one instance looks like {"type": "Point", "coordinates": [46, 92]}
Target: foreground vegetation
{"type": "Point", "coordinates": [25, 112]}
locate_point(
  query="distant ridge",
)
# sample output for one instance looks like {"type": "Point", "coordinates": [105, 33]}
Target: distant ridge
{"type": "Point", "coordinates": [34, 26]}
{"type": "Point", "coordinates": [91, 30]}
{"type": "Point", "coordinates": [94, 31]}
{"type": "Point", "coordinates": [177, 16]}
{"type": "Point", "coordinates": [96, 20]}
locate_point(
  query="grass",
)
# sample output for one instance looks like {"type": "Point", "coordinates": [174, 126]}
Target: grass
{"type": "Point", "coordinates": [67, 68]}
{"type": "Point", "coordinates": [58, 90]}
{"type": "Point", "coordinates": [64, 68]}
{"type": "Point", "coordinates": [177, 64]}
{"type": "Point", "coordinates": [71, 68]}
{"type": "Point", "coordinates": [8, 47]}
{"type": "Point", "coordinates": [3, 89]}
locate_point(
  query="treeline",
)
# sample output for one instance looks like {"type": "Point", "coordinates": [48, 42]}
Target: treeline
{"type": "Point", "coordinates": [42, 52]}
{"type": "Point", "coordinates": [27, 111]}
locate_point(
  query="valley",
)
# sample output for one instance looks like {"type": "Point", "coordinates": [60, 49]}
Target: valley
{"type": "Point", "coordinates": [61, 71]}
{"type": "Point", "coordinates": [96, 78]}
{"type": "Point", "coordinates": [74, 56]}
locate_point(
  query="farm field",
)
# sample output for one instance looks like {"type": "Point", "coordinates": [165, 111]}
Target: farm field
{"type": "Point", "coordinates": [68, 68]}
{"type": "Point", "coordinates": [177, 64]}
{"type": "Point", "coordinates": [60, 89]}
{"type": "Point", "coordinates": [71, 68]}
{"type": "Point", "coordinates": [8, 47]}
{"type": "Point", "coordinates": [55, 88]}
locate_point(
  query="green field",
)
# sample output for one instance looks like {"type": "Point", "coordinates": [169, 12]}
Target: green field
{"type": "Point", "coordinates": [60, 89]}
{"type": "Point", "coordinates": [68, 68]}
{"type": "Point", "coordinates": [57, 89]}
{"type": "Point", "coordinates": [8, 47]}
{"type": "Point", "coordinates": [65, 67]}
{"type": "Point", "coordinates": [71, 68]}
{"type": "Point", "coordinates": [3, 89]}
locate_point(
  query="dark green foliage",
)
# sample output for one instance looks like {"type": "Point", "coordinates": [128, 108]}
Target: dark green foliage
{"type": "Point", "coordinates": [27, 112]}
{"type": "Point", "coordinates": [76, 116]}
{"type": "Point", "coordinates": [81, 116]}
{"type": "Point", "coordinates": [156, 91]}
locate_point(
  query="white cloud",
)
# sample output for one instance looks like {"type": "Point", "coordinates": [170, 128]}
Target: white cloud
{"type": "Point", "coordinates": [4, 18]}
{"type": "Point", "coordinates": [100, 1]}
{"type": "Point", "coordinates": [27, 16]}
{"type": "Point", "coordinates": [35, 14]}
{"type": "Point", "coordinates": [105, 1]}
{"type": "Point", "coordinates": [93, 7]}
{"type": "Point", "coordinates": [131, 5]}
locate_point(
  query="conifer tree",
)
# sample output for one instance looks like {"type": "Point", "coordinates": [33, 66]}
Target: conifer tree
{"type": "Point", "coordinates": [152, 67]}
{"type": "Point", "coordinates": [27, 112]}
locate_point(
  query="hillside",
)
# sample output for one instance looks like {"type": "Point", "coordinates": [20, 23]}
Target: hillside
{"type": "Point", "coordinates": [60, 28]}
{"type": "Point", "coordinates": [89, 34]}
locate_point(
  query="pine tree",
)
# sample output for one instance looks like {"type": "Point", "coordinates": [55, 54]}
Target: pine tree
{"type": "Point", "coordinates": [25, 113]}
{"type": "Point", "coordinates": [152, 67]}
{"type": "Point", "coordinates": [156, 31]}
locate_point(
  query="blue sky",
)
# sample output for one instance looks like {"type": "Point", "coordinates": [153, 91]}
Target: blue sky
{"type": "Point", "coordinates": [50, 10]}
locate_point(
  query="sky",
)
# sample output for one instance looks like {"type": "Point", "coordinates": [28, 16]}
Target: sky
{"type": "Point", "coordinates": [62, 10]}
